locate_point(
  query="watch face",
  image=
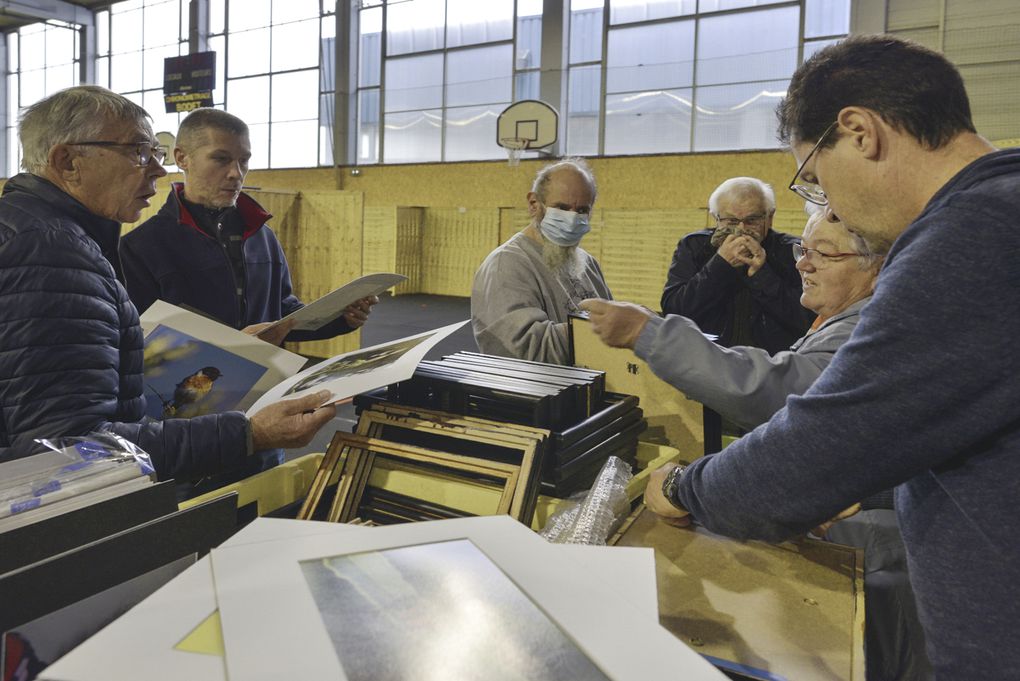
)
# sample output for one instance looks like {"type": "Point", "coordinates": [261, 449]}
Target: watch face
{"type": "Point", "coordinates": [670, 485]}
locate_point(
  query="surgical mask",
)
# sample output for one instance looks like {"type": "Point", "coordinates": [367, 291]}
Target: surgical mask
{"type": "Point", "coordinates": [564, 227]}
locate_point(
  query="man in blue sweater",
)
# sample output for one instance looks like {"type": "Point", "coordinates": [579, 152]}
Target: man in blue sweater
{"type": "Point", "coordinates": [925, 396]}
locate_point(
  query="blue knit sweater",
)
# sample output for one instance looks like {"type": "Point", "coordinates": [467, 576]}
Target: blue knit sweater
{"type": "Point", "coordinates": [926, 396]}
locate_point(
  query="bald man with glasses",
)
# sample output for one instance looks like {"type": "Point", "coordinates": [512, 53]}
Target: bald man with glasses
{"type": "Point", "coordinates": [739, 280]}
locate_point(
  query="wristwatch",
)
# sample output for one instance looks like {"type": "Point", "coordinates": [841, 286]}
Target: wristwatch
{"type": "Point", "coordinates": [671, 484]}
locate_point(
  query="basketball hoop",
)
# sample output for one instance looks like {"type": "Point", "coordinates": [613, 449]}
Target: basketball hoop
{"type": "Point", "coordinates": [527, 124]}
{"type": "Point", "coordinates": [514, 146]}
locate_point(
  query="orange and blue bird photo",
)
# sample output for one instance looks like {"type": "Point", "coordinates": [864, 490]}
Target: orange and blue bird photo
{"type": "Point", "coordinates": [189, 392]}
{"type": "Point", "coordinates": [186, 377]}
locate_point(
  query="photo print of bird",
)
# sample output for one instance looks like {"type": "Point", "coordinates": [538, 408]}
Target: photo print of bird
{"type": "Point", "coordinates": [190, 392]}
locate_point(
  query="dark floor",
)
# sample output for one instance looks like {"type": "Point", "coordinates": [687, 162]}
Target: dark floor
{"type": "Point", "coordinates": [396, 317]}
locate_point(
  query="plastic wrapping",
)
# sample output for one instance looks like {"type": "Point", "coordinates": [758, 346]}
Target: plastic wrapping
{"type": "Point", "coordinates": [70, 466]}
{"type": "Point", "coordinates": [591, 516]}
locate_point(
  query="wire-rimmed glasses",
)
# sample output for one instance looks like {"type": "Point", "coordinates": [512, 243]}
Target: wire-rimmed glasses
{"type": "Point", "coordinates": [811, 192]}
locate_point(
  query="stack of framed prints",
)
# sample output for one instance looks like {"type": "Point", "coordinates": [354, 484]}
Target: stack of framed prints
{"type": "Point", "coordinates": [577, 453]}
{"type": "Point", "coordinates": [411, 464]}
{"type": "Point", "coordinates": [504, 389]}
{"type": "Point", "coordinates": [573, 454]}
{"type": "Point", "coordinates": [451, 599]}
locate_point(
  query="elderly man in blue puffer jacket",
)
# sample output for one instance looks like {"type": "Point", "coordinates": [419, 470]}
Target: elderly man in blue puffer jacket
{"type": "Point", "coordinates": [70, 344]}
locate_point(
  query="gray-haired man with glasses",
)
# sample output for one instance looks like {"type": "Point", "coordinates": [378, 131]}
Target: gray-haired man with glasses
{"type": "Point", "coordinates": [739, 280]}
{"type": "Point", "coordinates": [71, 358]}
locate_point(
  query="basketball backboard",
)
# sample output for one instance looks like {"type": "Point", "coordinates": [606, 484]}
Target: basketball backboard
{"type": "Point", "coordinates": [528, 124]}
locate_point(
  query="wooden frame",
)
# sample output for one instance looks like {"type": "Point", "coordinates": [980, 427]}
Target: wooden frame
{"type": "Point", "coordinates": [327, 467]}
{"type": "Point", "coordinates": [529, 441]}
{"type": "Point", "coordinates": [363, 454]}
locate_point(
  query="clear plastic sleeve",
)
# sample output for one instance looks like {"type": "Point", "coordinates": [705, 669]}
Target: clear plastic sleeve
{"type": "Point", "coordinates": [589, 517]}
{"type": "Point", "coordinates": [67, 467]}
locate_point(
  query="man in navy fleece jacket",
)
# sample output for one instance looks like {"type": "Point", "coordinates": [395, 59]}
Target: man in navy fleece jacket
{"type": "Point", "coordinates": [925, 396]}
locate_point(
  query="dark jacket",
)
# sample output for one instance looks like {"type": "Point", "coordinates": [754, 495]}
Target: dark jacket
{"type": "Point", "coordinates": [70, 344]}
{"type": "Point", "coordinates": [168, 257]}
{"type": "Point", "coordinates": [704, 287]}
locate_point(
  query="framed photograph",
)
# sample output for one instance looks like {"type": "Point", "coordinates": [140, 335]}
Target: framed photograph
{"type": "Point", "coordinates": [465, 598]}
{"type": "Point", "coordinates": [195, 365]}
{"type": "Point", "coordinates": [359, 371]}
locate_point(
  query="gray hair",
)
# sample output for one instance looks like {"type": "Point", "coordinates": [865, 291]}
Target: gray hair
{"type": "Point", "coordinates": [541, 183]}
{"type": "Point", "coordinates": [77, 114]}
{"type": "Point", "coordinates": [743, 187]}
{"type": "Point", "coordinates": [867, 258]}
{"type": "Point", "coordinates": [200, 120]}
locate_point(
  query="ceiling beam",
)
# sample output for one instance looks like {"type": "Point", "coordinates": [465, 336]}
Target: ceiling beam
{"type": "Point", "coordinates": [47, 10]}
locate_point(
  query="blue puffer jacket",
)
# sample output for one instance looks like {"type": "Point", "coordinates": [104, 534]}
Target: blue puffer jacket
{"type": "Point", "coordinates": [70, 344]}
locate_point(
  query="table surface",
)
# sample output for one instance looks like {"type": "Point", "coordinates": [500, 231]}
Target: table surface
{"type": "Point", "coordinates": [795, 610]}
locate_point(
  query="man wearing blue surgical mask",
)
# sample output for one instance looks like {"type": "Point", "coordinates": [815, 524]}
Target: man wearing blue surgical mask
{"type": "Point", "coordinates": [526, 288]}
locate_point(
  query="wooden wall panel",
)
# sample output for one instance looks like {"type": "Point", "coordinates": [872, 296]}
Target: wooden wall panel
{"type": "Point", "coordinates": [454, 243]}
{"type": "Point", "coordinates": [637, 247]}
{"type": "Point", "coordinates": [380, 239]}
{"type": "Point", "coordinates": [410, 227]}
{"type": "Point", "coordinates": [324, 248]}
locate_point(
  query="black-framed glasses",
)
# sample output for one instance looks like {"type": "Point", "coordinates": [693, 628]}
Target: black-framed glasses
{"type": "Point", "coordinates": [800, 252]}
{"type": "Point", "coordinates": [144, 151]}
{"type": "Point", "coordinates": [811, 192]}
{"type": "Point", "coordinates": [750, 221]}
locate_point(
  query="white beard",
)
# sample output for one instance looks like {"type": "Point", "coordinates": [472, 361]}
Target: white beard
{"type": "Point", "coordinates": [561, 258]}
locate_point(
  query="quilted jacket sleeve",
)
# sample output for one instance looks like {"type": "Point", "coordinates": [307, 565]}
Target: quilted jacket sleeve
{"type": "Point", "coordinates": [71, 359]}
{"type": "Point", "coordinates": [141, 284]}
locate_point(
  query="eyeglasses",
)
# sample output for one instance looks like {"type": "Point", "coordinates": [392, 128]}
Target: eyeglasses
{"type": "Point", "coordinates": [143, 151]}
{"type": "Point", "coordinates": [750, 221]}
{"type": "Point", "coordinates": [811, 192]}
{"type": "Point", "coordinates": [799, 252]}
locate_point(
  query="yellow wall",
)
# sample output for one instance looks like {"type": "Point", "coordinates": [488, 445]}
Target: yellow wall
{"type": "Point", "coordinates": [624, 182]}
{"type": "Point", "coordinates": [436, 222]}
{"type": "Point", "coordinates": [638, 182]}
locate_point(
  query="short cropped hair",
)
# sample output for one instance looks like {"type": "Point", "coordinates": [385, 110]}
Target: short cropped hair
{"type": "Point", "coordinates": [541, 184]}
{"type": "Point", "coordinates": [914, 89]}
{"type": "Point", "coordinates": [867, 259]}
{"type": "Point", "coordinates": [76, 114]}
{"type": "Point", "coordinates": [740, 188]}
{"type": "Point", "coordinates": [194, 125]}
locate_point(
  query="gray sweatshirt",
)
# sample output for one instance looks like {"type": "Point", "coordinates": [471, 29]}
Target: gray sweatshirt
{"type": "Point", "coordinates": [746, 385]}
{"type": "Point", "coordinates": [519, 307]}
